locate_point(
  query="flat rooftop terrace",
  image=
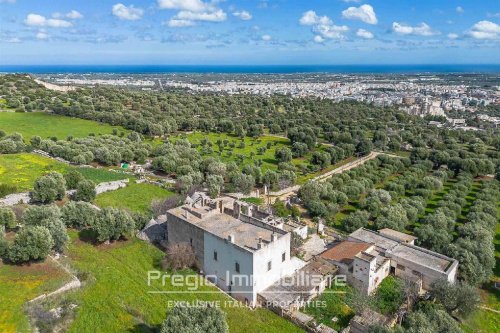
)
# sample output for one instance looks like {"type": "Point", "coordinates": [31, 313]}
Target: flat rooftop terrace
{"type": "Point", "coordinates": [223, 225]}
{"type": "Point", "coordinates": [421, 257]}
{"type": "Point", "coordinates": [372, 237]}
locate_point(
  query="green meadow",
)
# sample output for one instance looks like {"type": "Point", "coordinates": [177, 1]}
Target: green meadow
{"type": "Point", "coordinates": [48, 125]}
{"type": "Point", "coordinates": [19, 284]}
{"type": "Point", "coordinates": [135, 197]}
{"type": "Point", "coordinates": [21, 170]}
{"type": "Point", "coordinates": [115, 296]}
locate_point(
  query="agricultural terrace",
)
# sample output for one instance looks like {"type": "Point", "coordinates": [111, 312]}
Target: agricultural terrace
{"type": "Point", "coordinates": [19, 171]}
{"type": "Point", "coordinates": [115, 287]}
{"type": "Point", "coordinates": [25, 283]}
{"type": "Point", "coordinates": [135, 197]}
{"type": "Point", "coordinates": [244, 151]}
{"type": "Point", "coordinates": [47, 125]}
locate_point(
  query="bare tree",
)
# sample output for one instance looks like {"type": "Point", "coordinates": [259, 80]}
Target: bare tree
{"type": "Point", "coordinates": [179, 256]}
{"type": "Point", "coordinates": [160, 207]}
{"type": "Point", "coordinates": [410, 291]}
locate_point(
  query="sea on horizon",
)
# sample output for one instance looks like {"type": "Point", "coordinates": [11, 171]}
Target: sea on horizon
{"type": "Point", "coordinates": [254, 69]}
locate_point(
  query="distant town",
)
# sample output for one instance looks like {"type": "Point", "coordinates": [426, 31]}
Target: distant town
{"type": "Point", "coordinates": [416, 94]}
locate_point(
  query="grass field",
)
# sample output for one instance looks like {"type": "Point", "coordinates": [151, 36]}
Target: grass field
{"type": "Point", "coordinates": [483, 320]}
{"type": "Point", "coordinates": [18, 284]}
{"type": "Point", "coordinates": [46, 125]}
{"type": "Point", "coordinates": [136, 197]}
{"type": "Point", "coordinates": [21, 170]}
{"type": "Point", "coordinates": [116, 298]}
{"type": "Point", "coordinates": [101, 175]}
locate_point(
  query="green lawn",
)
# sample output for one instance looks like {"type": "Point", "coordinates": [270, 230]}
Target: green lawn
{"type": "Point", "coordinates": [116, 298]}
{"type": "Point", "coordinates": [18, 284]}
{"type": "Point", "coordinates": [48, 125]}
{"type": "Point", "coordinates": [136, 197]}
{"type": "Point", "coordinates": [21, 170]}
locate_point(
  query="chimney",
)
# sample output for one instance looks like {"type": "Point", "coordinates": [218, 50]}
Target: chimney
{"type": "Point", "coordinates": [186, 214]}
{"type": "Point", "coordinates": [221, 206]}
{"type": "Point", "coordinates": [274, 237]}
{"type": "Point", "coordinates": [230, 238]}
{"type": "Point", "coordinates": [259, 244]}
{"type": "Point", "coordinates": [236, 210]}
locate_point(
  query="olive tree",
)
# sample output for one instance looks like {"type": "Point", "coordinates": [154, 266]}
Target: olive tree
{"type": "Point", "coordinates": [50, 218]}
{"type": "Point", "coordinates": [187, 319]}
{"type": "Point", "coordinates": [30, 243]}
{"type": "Point", "coordinates": [78, 214]}
{"type": "Point", "coordinates": [49, 188]}
{"type": "Point", "coordinates": [112, 223]}
{"type": "Point", "coordinates": [85, 191]}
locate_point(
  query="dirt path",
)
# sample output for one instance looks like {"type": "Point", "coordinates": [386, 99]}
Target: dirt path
{"type": "Point", "coordinates": [488, 309]}
{"type": "Point", "coordinates": [285, 193]}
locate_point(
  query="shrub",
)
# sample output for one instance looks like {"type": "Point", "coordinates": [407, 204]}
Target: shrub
{"type": "Point", "coordinates": [186, 319]}
{"type": "Point", "coordinates": [7, 217]}
{"type": "Point", "coordinates": [179, 256]}
{"type": "Point", "coordinates": [390, 295]}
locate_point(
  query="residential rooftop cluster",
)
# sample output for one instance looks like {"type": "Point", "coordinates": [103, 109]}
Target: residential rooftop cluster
{"type": "Point", "coordinates": [247, 252]}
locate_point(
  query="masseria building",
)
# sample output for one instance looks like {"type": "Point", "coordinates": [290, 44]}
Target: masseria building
{"type": "Point", "coordinates": [241, 249]}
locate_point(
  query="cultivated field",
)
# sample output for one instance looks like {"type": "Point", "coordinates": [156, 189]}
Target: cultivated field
{"type": "Point", "coordinates": [136, 197]}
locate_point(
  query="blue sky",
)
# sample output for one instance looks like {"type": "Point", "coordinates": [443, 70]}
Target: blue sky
{"type": "Point", "coordinates": [249, 32]}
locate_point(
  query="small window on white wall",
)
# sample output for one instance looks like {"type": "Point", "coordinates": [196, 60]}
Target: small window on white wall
{"type": "Point", "coordinates": [269, 265]}
{"type": "Point", "coordinates": [283, 256]}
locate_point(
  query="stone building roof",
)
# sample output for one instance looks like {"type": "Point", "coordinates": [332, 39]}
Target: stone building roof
{"type": "Point", "coordinates": [401, 236]}
{"type": "Point", "coordinates": [216, 219]}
